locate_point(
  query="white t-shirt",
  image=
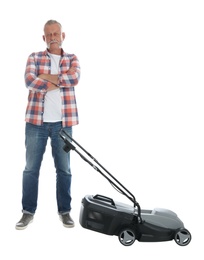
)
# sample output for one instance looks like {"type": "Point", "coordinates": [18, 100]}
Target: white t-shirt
{"type": "Point", "coordinates": [52, 105]}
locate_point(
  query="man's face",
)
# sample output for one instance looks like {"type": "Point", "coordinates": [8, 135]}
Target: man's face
{"type": "Point", "coordinates": [53, 37]}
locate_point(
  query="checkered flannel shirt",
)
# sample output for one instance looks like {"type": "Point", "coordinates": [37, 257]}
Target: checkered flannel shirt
{"type": "Point", "coordinates": [40, 63]}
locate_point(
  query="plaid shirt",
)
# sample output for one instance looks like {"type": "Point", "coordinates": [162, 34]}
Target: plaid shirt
{"type": "Point", "coordinates": [40, 63]}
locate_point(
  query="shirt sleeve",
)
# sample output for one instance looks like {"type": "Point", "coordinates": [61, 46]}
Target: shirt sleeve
{"type": "Point", "coordinates": [70, 77]}
{"type": "Point", "coordinates": [31, 77]}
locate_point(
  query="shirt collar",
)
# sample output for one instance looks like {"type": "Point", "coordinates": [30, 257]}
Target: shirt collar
{"type": "Point", "coordinates": [47, 52]}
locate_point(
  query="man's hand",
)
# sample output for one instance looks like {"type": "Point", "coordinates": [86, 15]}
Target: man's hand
{"type": "Point", "coordinates": [53, 78]}
{"type": "Point", "coordinates": [71, 70]}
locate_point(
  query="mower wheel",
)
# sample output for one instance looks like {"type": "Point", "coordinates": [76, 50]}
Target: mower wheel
{"type": "Point", "coordinates": [127, 237]}
{"type": "Point", "coordinates": [182, 237]}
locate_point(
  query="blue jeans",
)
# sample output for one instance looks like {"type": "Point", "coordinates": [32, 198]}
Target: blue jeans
{"type": "Point", "coordinates": [36, 141]}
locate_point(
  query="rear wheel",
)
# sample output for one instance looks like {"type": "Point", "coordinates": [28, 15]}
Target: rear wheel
{"type": "Point", "coordinates": [127, 237]}
{"type": "Point", "coordinates": [182, 237]}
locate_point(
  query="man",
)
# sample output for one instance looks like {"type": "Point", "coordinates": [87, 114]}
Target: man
{"type": "Point", "coordinates": [51, 77]}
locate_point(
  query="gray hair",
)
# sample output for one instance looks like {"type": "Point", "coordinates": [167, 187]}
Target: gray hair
{"type": "Point", "coordinates": [49, 22]}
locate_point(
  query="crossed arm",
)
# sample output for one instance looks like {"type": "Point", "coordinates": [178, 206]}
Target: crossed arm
{"type": "Point", "coordinates": [53, 79]}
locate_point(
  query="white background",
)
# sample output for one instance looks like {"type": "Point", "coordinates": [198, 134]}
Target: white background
{"type": "Point", "coordinates": [140, 101]}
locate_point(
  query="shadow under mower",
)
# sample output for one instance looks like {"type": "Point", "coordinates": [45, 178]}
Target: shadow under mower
{"type": "Point", "coordinates": [102, 214]}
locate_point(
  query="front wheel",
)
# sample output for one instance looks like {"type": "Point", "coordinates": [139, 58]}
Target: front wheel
{"type": "Point", "coordinates": [127, 237]}
{"type": "Point", "coordinates": [182, 237]}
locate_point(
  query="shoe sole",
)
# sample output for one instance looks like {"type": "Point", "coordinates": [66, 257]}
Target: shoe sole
{"type": "Point", "coordinates": [22, 228]}
{"type": "Point", "coordinates": [68, 226]}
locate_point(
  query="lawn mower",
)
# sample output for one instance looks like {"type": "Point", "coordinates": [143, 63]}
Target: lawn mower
{"type": "Point", "coordinates": [128, 222]}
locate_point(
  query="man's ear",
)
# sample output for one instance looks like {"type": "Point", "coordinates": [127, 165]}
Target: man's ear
{"type": "Point", "coordinates": [63, 36]}
{"type": "Point", "coordinates": [43, 38]}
